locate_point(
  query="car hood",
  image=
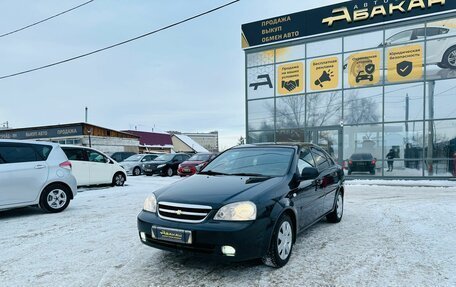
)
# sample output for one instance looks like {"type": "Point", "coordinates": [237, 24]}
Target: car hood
{"type": "Point", "coordinates": [216, 191]}
{"type": "Point", "coordinates": [191, 162]}
{"type": "Point", "coordinates": [155, 162]}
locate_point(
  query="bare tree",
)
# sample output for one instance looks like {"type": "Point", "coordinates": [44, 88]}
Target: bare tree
{"type": "Point", "coordinates": [360, 110]}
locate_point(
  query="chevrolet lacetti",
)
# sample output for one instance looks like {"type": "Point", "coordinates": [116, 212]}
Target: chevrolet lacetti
{"type": "Point", "coordinates": [250, 202]}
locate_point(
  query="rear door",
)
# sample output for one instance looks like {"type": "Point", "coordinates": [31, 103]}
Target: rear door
{"type": "Point", "coordinates": [101, 171]}
{"type": "Point", "coordinates": [328, 179]}
{"type": "Point", "coordinates": [80, 164]}
{"type": "Point", "coordinates": [23, 173]}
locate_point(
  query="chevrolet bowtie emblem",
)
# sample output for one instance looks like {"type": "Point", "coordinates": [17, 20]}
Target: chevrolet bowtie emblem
{"type": "Point", "coordinates": [179, 212]}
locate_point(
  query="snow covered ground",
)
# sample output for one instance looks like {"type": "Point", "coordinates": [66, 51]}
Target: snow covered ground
{"type": "Point", "coordinates": [389, 236]}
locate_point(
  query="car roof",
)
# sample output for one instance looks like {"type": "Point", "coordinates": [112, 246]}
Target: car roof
{"type": "Point", "coordinates": [30, 142]}
{"type": "Point", "coordinates": [280, 144]}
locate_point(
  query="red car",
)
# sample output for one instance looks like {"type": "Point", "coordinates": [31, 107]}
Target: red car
{"type": "Point", "coordinates": [195, 163]}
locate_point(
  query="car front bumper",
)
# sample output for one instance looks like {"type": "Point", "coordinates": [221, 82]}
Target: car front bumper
{"type": "Point", "coordinates": [249, 239]}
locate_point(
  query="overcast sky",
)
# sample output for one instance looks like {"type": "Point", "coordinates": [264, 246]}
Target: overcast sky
{"type": "Point", "coordinates": [189, 78]}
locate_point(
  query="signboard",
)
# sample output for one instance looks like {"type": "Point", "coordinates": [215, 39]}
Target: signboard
{"type": "Point", "coordinates": [324, 74]}
{"type": "Point", "coordinates": [348, 15]}
{"type": "Point", "coordinates": [405, 63]}
{"type": "Point", "coordinates": [290, 78]}
{"type": "Point", "coordinates": [42, 133]}
{"type": "Point", "coordinates": [364, 69]}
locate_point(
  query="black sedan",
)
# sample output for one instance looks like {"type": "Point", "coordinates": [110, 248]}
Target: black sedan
{"type": "Point", "coordinates": [165, 164]}
{"type": "Point", "coordinates": [250, 202]}
{"type": "Point", "coordinates": [362, 162]}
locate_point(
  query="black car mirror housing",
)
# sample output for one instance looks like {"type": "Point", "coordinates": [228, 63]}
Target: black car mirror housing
{"type": "Point", "coordinates": [309, 173]}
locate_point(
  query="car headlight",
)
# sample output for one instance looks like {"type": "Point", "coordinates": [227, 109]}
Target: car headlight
{"type": "Point", "coordinates": [160, 166]}
{"type": "Point", "coordinates": [239, 211]}
{"type": "Point", "coordinates": [150, 204]}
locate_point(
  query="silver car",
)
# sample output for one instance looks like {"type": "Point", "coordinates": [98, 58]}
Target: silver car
{"type": "Point", "coordinates": [133, 165]}
{"type": "Point", "coordinates": [35, 173]}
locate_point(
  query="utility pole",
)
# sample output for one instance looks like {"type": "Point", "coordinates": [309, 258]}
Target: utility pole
{"type": "Point", "coordinates": [407, 112]}
{"type": "Point", "coordinates": [86, 114]}
{"type": "Point", "coordinates": [430, 141]}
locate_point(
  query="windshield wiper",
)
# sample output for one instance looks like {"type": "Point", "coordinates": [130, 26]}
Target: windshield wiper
{"type": "Point", "coordinates": [210, 172]}
{"type": "Point", "coordinates": [250, 174]}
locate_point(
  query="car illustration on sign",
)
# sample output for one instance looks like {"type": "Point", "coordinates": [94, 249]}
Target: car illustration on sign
{"type": "Point", "coordinates": [441, 45]}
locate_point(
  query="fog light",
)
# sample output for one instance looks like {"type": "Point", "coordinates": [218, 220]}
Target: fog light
{"type": "Point", "coordinates": [228, 250]}
{"type": "Point", "coordinates": [143, 236]}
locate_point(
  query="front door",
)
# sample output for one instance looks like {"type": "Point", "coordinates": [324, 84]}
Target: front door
{"type": "Point", "coordinates": [330, 139]}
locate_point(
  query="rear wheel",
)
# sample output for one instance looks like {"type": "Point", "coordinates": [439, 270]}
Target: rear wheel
{"type": "Point", "coordinates": [55, 198]}
{"type": "Point", "coordinates": [336, 215]}
{"type": "Point", "coordinates": [118, 179]}
{"type": "Point", "coordinates": [281, 244]}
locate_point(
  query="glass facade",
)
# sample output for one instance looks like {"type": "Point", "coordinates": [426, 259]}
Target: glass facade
{"type": "Point", "coordinates": [384, 98]}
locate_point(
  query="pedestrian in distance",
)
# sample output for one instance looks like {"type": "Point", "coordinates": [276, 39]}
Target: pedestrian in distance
{"type": "Point", "coordinates": [390, 157]}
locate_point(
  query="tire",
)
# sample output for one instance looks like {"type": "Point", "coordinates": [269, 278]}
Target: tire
{"type": "Point", "coordinates": [281, 243]}
{"type": "Point", "coordinates": [136, 171]}
{"type": "Point", "coordinates": [118, 179]}
{"type": "Point", "coordinates": [449, 58]}
{"type": "Point", "coordinates": [336, 215]}
{"type": "Point", "coordinates": [442, 66]}
{"type": "Point", "coordinates": [169, 172]}
{"type": "Point", "coordinates": [55, 198]}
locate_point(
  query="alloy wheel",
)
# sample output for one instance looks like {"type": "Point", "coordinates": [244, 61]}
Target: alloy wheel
{"type": "Point", "coordinates": [56, 199]}
{"type": "Point", "coordinates": [340, 205]}
{"type": "Point", "coordinates": [452, 58]}
{"type": "Point", "coordinates": [119, 180]}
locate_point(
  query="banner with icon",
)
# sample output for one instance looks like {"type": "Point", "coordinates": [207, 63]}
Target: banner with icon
{"type": "Point", "coordinates": [364, 69]}
{"type": "Point", "coordinates": [290, 78]}
{"type": "Point", "coordinates": [324, 74]}
{"type": "Point", "coordinates": [405, 63]}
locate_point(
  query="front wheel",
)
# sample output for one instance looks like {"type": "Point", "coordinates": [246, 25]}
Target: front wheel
{"type": "Point", "coordinates": [169, 172]}
{"type": "Point", "coordinates": [336, 215]}
{"type": "Point", "coordinates": [281, 244]}
{"type": "Point", "coordinates": [55, 198]}
{"type": "Point", "coordinates": [136, 171]}
{"type": "Point", "coordinates": [449, 58]}
{"type": "Point", "coordinates": [118, 179]}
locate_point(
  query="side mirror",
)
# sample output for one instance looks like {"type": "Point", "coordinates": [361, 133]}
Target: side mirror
{"type": "Point", "coordinates": [309, 173]}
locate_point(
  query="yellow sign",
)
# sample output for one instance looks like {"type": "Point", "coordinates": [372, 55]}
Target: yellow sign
{"type": "Point", "coordinates": [364, 69]}
{"type": "Point", "coordinates": [405, 63]}
{"type": "Point", "coordinates": [290, 78]}
{"type": "Point", "coordinates": [324, 74]}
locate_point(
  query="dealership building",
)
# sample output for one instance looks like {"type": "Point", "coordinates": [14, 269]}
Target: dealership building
{"type": "Point", "coordinates": [358, 78]}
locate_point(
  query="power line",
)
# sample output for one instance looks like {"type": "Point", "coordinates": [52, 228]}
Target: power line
{"type": "Point", "coordinates": [120, 43]}
{"type": "Point", "coordinates": [44, 20]}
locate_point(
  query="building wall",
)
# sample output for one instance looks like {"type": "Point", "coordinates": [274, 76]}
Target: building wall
{"type": "Point", "coordinates": [414, 116]}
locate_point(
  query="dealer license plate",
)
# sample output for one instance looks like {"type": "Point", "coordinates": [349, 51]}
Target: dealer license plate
{"type": "Point", "coordinates": [186, 169]}
{"type": "Point", "coordinates": [172, 235]}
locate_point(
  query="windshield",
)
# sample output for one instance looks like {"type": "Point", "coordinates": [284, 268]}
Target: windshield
{"type": "Point", "coordinates": [200, 157]}
{"type": "Point", "coordinates": [164, 157]}
{"type": "Point", "coordinates": [252, 161]}
{"type": "Point", "coordinates": [134, 158]}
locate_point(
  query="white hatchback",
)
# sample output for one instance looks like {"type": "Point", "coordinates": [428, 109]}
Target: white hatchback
{"type": "Point", "coordinates": [35, 173]}
{"type": "Point", "coordinates": [92, 167]}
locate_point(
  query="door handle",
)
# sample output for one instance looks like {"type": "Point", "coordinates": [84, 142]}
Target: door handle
{"type": "Point", "coordinates": [40, 166]}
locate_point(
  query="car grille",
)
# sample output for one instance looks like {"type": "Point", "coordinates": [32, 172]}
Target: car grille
{"type": "Point", "coordinates": [183, 212]}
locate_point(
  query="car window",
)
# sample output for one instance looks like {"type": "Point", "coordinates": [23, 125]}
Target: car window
{"type": "Point", "coordinates": [400, 37]}
{"type": "Point", "coordinates": [418, 34]}
{"type": "Point", "coordinates": [264, 161]}
{"type": "Point", "coordinates": [18, 153]}
{"type": "Point", "coordinates": [179, 158]}
{"type": "Point", "coordinates": [96, 157]}
{"type": "Point", "coordinates": [435, 31]}
{"type": "Point", "coordinates": [305, 160]}
{"type": "Point", "coordinates": [77, 154]}
{"type": "Point", "coordinates": [321, 161]}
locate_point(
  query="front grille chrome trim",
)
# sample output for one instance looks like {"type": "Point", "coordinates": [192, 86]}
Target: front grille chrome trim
{"type": "Point", "coordinates": [183, 206]}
